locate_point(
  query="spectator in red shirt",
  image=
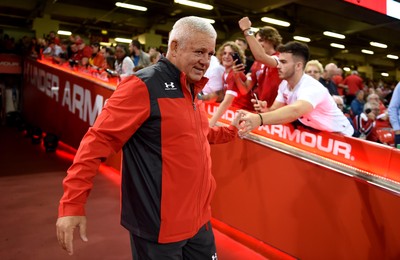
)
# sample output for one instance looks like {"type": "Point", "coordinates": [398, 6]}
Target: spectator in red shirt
{"type": "Point", "coordinates": [382, 119]}
{"type": "Point", "coordinates": [352, 83]}
{"type": "Point", "coordinates": [365, 123]}
{"type": "Point", "coordinates": [264, 78]}
{"type": "Point", "coordinates": [337, 78]}
{"type": "Point", "coordinates": [52, 37]}
{"type": "Point", "coordinates": [84, 52]}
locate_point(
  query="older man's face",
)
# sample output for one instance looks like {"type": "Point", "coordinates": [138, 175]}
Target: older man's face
{"type": "Point", "coordinates": [193, 58]}
{"type": "Point", "coordinates": [330, 70]}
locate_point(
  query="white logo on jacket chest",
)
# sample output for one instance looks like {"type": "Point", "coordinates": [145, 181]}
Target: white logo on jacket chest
{"type": "Point", "coordinates": [170, 86]}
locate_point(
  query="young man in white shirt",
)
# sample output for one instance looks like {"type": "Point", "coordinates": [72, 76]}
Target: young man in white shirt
{"type": "Point", "coordinates": [300, 97]}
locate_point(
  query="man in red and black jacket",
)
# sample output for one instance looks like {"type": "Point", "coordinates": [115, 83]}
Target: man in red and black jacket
{"type": "Point", "coordinates": [163, 130]}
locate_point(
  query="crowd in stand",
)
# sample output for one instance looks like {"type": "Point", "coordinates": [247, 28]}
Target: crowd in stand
{"type": "Point", "coordinates": [251, 78]}
{"type": "Point", "coordinates": [364, 102]}
{"type": "Point", "coordinates": [92, 58]}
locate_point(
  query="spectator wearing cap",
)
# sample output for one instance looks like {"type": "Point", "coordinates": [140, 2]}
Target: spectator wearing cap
{"type": "Point", "coordinates": [84, 52]}
{"type": "Point", "coordinates": [139, 57]}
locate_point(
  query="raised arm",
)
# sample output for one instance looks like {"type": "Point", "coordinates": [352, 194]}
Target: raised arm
{"type": "Point", "coordinates": [244, 83]}
{"type": "Point", "coordinates": [256, 49]}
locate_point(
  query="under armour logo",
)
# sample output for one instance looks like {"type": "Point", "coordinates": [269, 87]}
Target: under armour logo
{"type": "Point", "coordinates": [214, 257]}
{"type": "Point", "coordinates": [170, 86]}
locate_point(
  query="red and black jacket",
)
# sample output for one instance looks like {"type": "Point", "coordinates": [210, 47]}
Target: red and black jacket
{"type": "Point", "coordinates": [167, 184]}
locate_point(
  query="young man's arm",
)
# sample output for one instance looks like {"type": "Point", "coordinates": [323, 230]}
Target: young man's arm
{"type": "Point", "coordinates": [255, 47]}
{"type": "Point", "coordinates": [281, 115]}
{"type": "Point", "coordinates": [225, 104]}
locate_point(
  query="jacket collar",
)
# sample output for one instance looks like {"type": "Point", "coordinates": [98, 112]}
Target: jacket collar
{"type": "Point", "coordinates": [198, 86]}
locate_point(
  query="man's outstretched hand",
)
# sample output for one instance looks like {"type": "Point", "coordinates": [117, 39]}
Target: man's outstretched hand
{"type": "Point", "coordinates": [65, 231]}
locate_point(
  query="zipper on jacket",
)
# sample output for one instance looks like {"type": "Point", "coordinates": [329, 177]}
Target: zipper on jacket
{"type": "Point", "coordinates": [203, 182]}
{"type": "Point", "coordinates": [191, 86]}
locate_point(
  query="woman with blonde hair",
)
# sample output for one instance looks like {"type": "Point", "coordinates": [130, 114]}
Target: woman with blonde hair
{"type": "Point", "coordinates": [314, 69]}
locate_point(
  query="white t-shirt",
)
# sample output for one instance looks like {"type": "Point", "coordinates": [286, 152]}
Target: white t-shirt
{"type": "Point", "coordinates": [53, 51]}
{"type": "Point", "coordinates": [125, 68]}
{"type": "Point", "coordinates": [214, 74]}
{"type": "Point", "coordinates": [325, 116]}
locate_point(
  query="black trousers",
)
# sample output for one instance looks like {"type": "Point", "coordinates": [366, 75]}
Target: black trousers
{"type": "Point", "coordinates": [200, 246]}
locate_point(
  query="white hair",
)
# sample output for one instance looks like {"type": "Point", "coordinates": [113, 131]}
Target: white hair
{"type": "Point", "coordinates": [371, 105]}
{"type": "Point", "coordinates": [185, 27]}
{"type": "Point", "coordinates": [338, 99]}
{"type": "Point", "coordinates": [372, 96]}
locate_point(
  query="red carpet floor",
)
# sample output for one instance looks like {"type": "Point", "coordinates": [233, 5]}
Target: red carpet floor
{"type": "Point", "coordinates": [30, 185]}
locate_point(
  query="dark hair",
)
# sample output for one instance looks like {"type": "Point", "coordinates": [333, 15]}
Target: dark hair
{"type": "Point", "coordinates": [96, 44]}
{"type": "Point", "coordinates": [136, 43]}
{"type": "Point", "coordinates": [241, 39]}
{"type": "Point", "coordinates": [110, 50]}
{"type": "Point", "coordinates": [110, 62]}
{"type": "Point", "coordinates": [297, 49]}
{"type": "Point", "coordinates": [66, 42]}
{"type": "Point", "coordinates": [123, 47]}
